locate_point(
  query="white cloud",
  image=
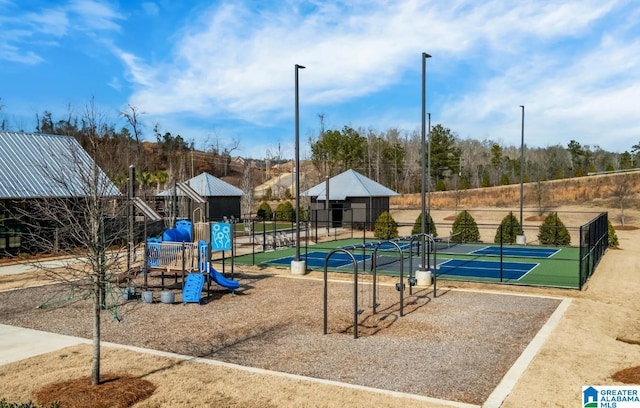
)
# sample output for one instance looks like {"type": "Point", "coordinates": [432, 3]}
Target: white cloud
{"type": "Point", "coordinates": [94, 15]}
{"type": "Point", "coordinates": [26, 34]}
{"type": "Point", "coordinates": [235, 62]}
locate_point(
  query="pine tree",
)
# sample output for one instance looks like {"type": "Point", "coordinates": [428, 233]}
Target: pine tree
{"type": "Point", "coordinates": [553, 231]}
{"type": "Point", "coordinates": [508, 231]}
{"type": "Point", "coordinates": [429, 226]}
{"type": "Point", "coordinates": [385, 227]}
{"type": "Point", "coordinates": [465, 229]}
{"type": "Point", "coordinates": [613, 238]}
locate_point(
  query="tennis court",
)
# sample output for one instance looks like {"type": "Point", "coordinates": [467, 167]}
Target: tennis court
{"type": "Point", "coordinates": [477, 262]}
{"type": "Point", "coordinates": [316, 259]}
{"type": "Point", "coordinates": [523, 252]}
{"type": "Point", "coordinates": [390, 265]}
{"type": "Point", "coordinates": [484, 269]}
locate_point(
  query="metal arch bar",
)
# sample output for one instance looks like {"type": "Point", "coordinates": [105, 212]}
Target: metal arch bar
{"type": "Point", "coordinates": [375, 272]}
{"type": "Point", "coordinates": [355, 290]}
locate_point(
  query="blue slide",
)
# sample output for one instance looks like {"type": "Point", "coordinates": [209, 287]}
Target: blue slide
{"type": "Point", "coordinates": [222, 281]}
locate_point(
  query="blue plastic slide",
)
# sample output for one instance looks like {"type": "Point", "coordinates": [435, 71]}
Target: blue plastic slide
{"type": "Point", "coordinates": [222, 281]}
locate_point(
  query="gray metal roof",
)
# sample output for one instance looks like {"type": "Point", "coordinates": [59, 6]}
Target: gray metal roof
{"type": "Point", "coordinates": [207, 185]}
{"type": "Point", "coordinates": [349, 184]}
{"type": "Point", "coordinates": [34, 165]}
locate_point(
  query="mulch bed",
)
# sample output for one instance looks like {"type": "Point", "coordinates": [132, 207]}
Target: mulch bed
{"type": "Point", "coordinates": [457, 346]}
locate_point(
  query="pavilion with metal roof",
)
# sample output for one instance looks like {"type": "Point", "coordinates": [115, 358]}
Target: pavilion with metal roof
{"type": "Point", "coordinates": [38, 166]}
{"type": "Point", "coordinates": [348, 198]}
{"type": "Point", "coordinates": [220, 198]}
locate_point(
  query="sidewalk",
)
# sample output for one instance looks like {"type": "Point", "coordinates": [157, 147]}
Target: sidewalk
{"type": "Point", "coordinates": [17, 343]}
{"type": "Point", "coordinates": [22, 267]}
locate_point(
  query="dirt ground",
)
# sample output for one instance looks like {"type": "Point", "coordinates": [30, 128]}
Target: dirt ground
{"type": "Point", "coordinates": [598, 335]}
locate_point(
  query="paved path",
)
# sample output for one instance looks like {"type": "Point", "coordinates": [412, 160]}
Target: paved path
{"type": "Point", "coordinates": [17, 343]}
{"type": "Point", "coordinates": [21, 267]}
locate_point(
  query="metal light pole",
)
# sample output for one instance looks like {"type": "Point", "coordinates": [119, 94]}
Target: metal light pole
{"type": "Point", "coordinates": [424, 176]}
{"type": "Point", "coordinates": [429, 172]}
{"type": "Point", "coordinates": [298, 67]}
{"type": "Point", "coordinates": [521, 171]}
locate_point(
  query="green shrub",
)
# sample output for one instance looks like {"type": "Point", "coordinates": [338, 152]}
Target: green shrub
{"type": "Point", "coordinates": [465, 228]}
{"type": "Point", "coordinates": [5, 404]}
{"type": "Point", "coordinates": [510, 228]}
{"type": "Point", "coordinates": [613, 238]}
{"type": "Point", "coordinates": [385, 227]}
{"type": "Point", "coordinates": [553, 232]}
{"type": "Point", "coordinates": [285, 212]}
{"type": "Point", "coordinates": [428, 227]}
{"type": "Point", "coordinates": [264, 211]}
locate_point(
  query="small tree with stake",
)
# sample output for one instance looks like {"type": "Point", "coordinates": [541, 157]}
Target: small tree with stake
{"type": "Point", "coordinates": [80, 219]}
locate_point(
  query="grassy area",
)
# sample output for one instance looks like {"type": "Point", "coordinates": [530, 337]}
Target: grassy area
{"type": "Point", "coordinates": [267, 226]}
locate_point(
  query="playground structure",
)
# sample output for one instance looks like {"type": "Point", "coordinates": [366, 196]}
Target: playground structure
{"type": "Point", "coordinates": [177, 254]}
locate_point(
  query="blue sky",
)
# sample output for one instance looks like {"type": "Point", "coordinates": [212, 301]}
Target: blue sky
{"type": "Point", "coordinates": [221, 72]}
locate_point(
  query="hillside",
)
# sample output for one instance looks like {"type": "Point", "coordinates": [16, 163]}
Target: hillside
{"type": "Point", "coordinates": [607, 191]}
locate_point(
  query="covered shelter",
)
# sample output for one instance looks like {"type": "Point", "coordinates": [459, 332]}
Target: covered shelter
{"type": "Point", "coordinates": [348, 199]}
{"type": "Point", "coordinates": [35, 167]}
{"type": "Point", "coordinates": [207, 195]}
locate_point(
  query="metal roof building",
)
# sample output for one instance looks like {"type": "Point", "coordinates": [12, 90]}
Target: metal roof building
{"type": "Point", "coordinates": [208, 186]}
{"type": "Point", "coordinates": [35, 165]}
{"type": "Point", "coordinates": [222, 198]}
{"type": "Point", "coordinates": [353, 199]}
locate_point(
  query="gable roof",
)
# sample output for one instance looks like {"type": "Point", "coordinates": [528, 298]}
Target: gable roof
{"type": "Point", "coordinates": [349, 184]}
{"type": "Point", "coordinates": [37, 165]}
{"type": "Point", "coordinates": [207, 185]}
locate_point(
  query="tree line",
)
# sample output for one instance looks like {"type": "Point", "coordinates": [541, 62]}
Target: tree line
{"type": "Point", "coordinates": [391, 157]}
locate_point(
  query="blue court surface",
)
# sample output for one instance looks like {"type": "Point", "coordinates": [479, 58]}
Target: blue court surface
{"type": "Point", "coordinates": [384, 246]}
{"type": "Point", "coordinates": [316, 259]}
{"type": "Point", "coordinates": [485, 269]}
{"type": "Point", "coordinates": [523, 252]}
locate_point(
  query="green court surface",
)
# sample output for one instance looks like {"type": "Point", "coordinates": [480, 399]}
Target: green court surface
{"type": "Point", "coordinates": [477, 262]}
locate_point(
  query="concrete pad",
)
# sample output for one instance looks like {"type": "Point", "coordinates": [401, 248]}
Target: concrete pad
{"type": "Point", "coordinates": [17, 343]}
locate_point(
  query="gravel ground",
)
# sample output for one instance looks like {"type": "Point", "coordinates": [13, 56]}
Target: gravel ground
{"type": "Point", "coordinates": [457, 346]}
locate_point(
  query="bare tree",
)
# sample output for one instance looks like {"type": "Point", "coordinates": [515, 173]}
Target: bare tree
{"type": "Point", "coordinates": [541, 194]}
{"type": "Point", "coordinates": [132, 115]}
{"type": "Point", "coordinates": [225, 153]}
{"type": "Point", "coordinates": [79, 218]}
{"type": "Point", "coordinates": [622, 190]}
{"type": "Point", "coordinates": [246, 202]}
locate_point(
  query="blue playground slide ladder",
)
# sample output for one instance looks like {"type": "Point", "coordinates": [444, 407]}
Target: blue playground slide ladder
{"type": "Point", "coordinates": [192, 292]}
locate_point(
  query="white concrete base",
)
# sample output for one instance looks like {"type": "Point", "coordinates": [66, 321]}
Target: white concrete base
{"type": "Point", "coordinates": [521, 240]}
{"type": "Point", "coordinates": [423, 278]}
{"type": "Point", "coordinates": [298, 267]}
